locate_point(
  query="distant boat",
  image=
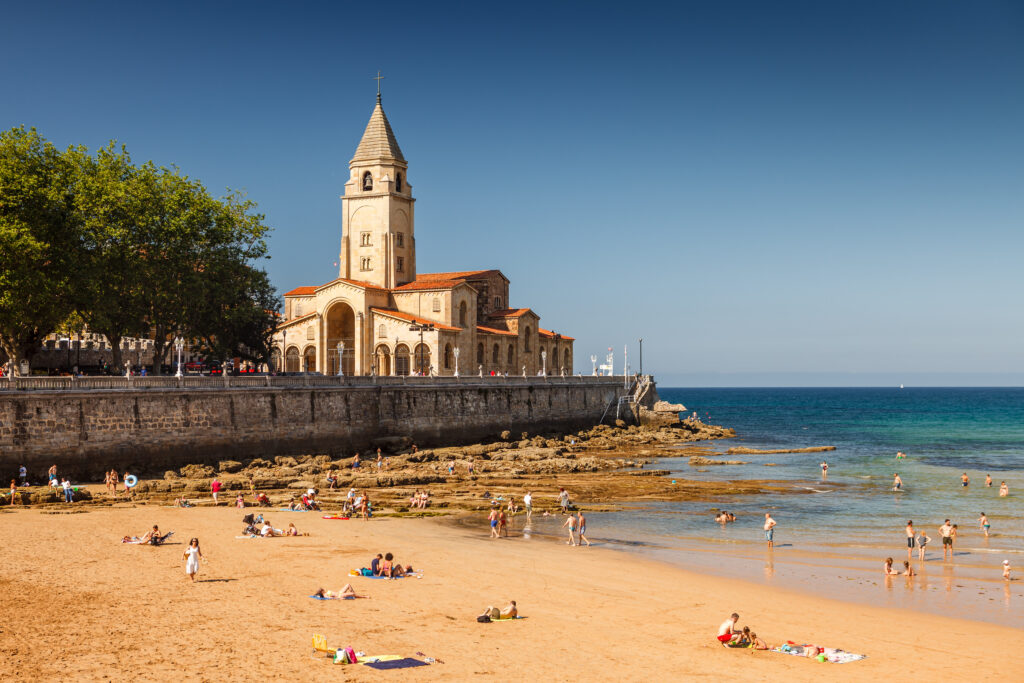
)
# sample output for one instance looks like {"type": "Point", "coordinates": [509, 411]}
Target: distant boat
{"type": "Point", "coordinates": [901, 386]}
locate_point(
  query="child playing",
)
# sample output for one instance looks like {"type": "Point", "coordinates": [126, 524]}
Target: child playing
{"type": "Point", "coordinates": [1006, 569]}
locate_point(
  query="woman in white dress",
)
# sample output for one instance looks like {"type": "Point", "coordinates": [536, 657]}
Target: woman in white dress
{"type": "Point", "coordinates": [192, 556]}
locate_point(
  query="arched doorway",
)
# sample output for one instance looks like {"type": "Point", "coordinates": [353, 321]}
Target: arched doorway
{"type": "Point", "coordinates": [309, 359]}
{"type": "Point", "coordinates": [292, 360]}
{"type": "Point", "coordinates": [421, 359]}
{"type": "Point", "coordinates": [402, 360]}
{"type": "Point", "coordinates": [341, 327]}
{"type": "Point", "coordinates": [276, 360]}
{"type": "Point", "coordinates": [449, 357]}
{"type": "Point", "coordinates": [383, 360]}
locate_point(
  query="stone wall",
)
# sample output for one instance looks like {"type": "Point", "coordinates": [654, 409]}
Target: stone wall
{"type": "Point", "coordinates": [88, 432]}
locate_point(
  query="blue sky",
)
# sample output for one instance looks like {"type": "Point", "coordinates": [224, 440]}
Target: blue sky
{"type": "Point", "coordinates": [768, 193]}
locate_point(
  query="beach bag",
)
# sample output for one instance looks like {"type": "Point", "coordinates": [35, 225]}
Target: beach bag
{"type": "Point", "coordinates": [341, 656]}
{"type": "Point", "coordinates": [484, 619]}
{"type": "Point", "coordinates": [351, 654]}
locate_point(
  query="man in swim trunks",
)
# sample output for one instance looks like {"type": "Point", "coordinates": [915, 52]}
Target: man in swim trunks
{"type": "Point", "coordinates": [983, 523]}
{"type": "Point", "coordinates": [493, 519]}
{"type": "Point", "coordinates": [988, 480]}
{"type": "Point", "coordinates": [769, 529]}
{"type": "Point", "coordinates": [727, 632]}
{"type": "Point", "coordinates": [946, 531]}
{"type": "Point", "coordinates": [581, 529]}
{"type": "Point", "coordinates": [964, 480]}
{"type": "Point", "coordinates": [910, 538]}
{"type": "Point", "coordinates": [897, 483]}
{"type": "Point", "coordinates": [824, 469]}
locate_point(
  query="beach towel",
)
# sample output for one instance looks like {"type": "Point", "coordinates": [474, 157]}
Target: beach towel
{"type": "Point", "coordinates": [324, 597]}
{"type": "Point", "coordinates": [494, 621]}
{"type": "Point", "coordinates": [404, 663]}
{"type": "Point", "coordinates": [828, 654]}
{"type": "Point", "coordinates": [333, 517]}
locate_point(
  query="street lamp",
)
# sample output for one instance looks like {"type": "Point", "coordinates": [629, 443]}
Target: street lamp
{"type": "Point", "coordinates": [341, 354]}
{"type": "Point", "coordinates": [421, 328]}
{"type": "Point", "coordinates": [179, 345]}
{"type": "Point", "coordinates": [284, 351]}
{"type": "Point", "coordinates": [641, 355]}
{"type": "Point", "coordinates": [544, 362]}
{"type": "Point", "coordinates": [456, 352]}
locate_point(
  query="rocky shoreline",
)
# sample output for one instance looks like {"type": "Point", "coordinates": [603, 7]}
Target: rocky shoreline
{"type": "Point", "coordinates": [603, 466]}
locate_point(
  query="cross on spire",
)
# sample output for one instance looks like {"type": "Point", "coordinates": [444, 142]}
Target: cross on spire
{"type": "Point", "coordinates": [378, 78]}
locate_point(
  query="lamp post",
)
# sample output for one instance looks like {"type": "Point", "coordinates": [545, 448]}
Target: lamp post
{"type": "Point", "coordinates": [641, 355]}
{"type": "Point", "coordinates": [284, 351]}
{"type": "Point", "coordinates": [179, 345]}
{"type": "Point", "coordinates": [341, 354]}
{"type": "Point", "coordinates": [456, 352]}
{"type": "Point", "coordinates": [421, 328]}
{"type": "Point", "coordinates": [544, 362]}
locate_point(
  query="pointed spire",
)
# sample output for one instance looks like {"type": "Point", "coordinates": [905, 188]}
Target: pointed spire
{"type": "Point", "coordinates": [378, 139]}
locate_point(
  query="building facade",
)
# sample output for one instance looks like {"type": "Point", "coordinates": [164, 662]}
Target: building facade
{"type": "Point", "coordinates": [381, 316]}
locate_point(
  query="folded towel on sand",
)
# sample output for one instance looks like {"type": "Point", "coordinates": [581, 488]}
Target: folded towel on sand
{"type": "Point", "coordinates": [404, 663]}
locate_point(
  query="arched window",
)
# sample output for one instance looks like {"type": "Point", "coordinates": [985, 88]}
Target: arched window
{"type": "Point", "coordinates": [381, 330]}
{"type": "Point", "coordinates": [292, 360]}
{"type": "Point", "coordinates": [367, 182]}
{"type": "Point", "coordinates": [402, 360]}
{"type": "Point", "coordinates": [511, 355]}
{"type": "Point", "coordinates": [462, 314]}
{"type": "Point", "coordinates": [526, 339]}
{"type": "Point", "coordinates": [480, 353]}
{"type": "Point", "coordinates": [566, 361]}
{"type": "Point", "coordinates": [448, 356]}
{"type": "Point", "coordinates": [421, 359]}
{"type": "Point", "coordinates": [494, 355]}
{"type": "Point", "coordinates": [398, 182]}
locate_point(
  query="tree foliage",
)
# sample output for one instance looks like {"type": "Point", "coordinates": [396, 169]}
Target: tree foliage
{"type": "Point", "coordinates": [134, 250]}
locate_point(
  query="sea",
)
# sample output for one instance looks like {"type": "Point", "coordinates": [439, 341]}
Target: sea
{"type": "Point", "coordinates": [835, 532]}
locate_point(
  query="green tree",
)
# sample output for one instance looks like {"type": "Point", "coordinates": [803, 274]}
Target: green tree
{"type": "Point", "coordinates": [116, 209]}
{"type": "Point", "coordinates": [39, 241]}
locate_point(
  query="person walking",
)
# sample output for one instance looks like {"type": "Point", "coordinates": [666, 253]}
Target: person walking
{"type": "Point", "coordinates": [581, 528]}
{"type": "Point", "coordinates": [528, 504]}
{"type": "Point", "coordinates": [192, 556]}
{"type": "Point", "coordinates": [769, 529]}
{"type": "Point", "coordinates": [571, 523]}
{"type": "Point", "coordinates": [983, 524]}
{"type": "Point", "coordinates": [14, 492]}
{"type": "Point", "coordinates": [23, 474]}
{"type": "Point", "coordinates": [68, 491]}
{"type": "Point", "coordinates": [215, 489]}
{"type": "Point", "coordinates": [563, 500]}
{"type": "Point", "coordinates": [492, 518]}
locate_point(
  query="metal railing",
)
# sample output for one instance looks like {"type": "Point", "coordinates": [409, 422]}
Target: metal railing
{"type": "Point", "coordinates": [205, 382]}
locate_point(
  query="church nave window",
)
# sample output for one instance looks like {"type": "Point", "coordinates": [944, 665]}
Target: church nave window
{"type": "Point", "coordinates": [399, 239]}
{"type": "Point", "coordinates": [462, 314]}
{"type": "Point", "coordinates": [398, 182]}
{"type": "Point", "coordinates": [382, 331]}
{"type": "Point", "coordinates": [437, 306]}
{"type": "Point", "coordinates": [497, 302]}
{"type": "Point", "coordinates": [364, 264]}
{"type": "Point", "coordinates": [364, 239]}
{"type": "Point", "coordinates": [367, 182]}
{"type": "Point", "coordinates": [400, 266]}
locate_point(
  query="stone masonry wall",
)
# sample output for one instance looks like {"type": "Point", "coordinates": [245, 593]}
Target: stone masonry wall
{"type": "Point", "coordinates": [88, 432]}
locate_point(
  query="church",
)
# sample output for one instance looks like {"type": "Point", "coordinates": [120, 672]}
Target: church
{"type": "Point", "coordinates": [381, 316]}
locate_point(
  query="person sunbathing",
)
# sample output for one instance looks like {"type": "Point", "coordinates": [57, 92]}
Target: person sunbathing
{"type": "Point", "coordinates": [509, 612]}
{"type": "Point", "coordinates": [153, 536]}
{"type": "Point", "coordinates": [347, 592]}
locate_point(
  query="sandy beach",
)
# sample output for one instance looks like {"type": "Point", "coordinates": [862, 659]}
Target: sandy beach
{"type": "Point", "coordinates": [80, 605]}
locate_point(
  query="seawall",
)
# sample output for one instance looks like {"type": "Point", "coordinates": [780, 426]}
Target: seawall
{"type": "Point", "coordinates": [87, 432]}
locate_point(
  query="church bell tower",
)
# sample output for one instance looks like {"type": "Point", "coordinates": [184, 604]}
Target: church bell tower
{"type": "Point", "coordinates": [377, 243]}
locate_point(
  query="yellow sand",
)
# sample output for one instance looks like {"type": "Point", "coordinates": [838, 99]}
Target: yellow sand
{"type": "Point", "coordinates": [78, 604]}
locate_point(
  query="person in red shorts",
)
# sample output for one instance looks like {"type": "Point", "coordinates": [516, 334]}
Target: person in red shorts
{"type": "Point", "coordinates": [727, 632]}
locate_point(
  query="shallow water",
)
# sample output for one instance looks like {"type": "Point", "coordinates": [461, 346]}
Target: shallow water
{"type": "Point", "coordinates": [834, 536]}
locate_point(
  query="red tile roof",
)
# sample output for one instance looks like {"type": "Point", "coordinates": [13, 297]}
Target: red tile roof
{"type": "Point", "coordinates": [510, 313]}
{"type": "Point", "coordinates": [415, 319]}
{"type": "Point", "coordinates": [286, 323]}
{"type": "Point", "coordinates": [355, 283]}
{"type": "Point", "coordinates": [301, 291]}
{"type": "Point", "coordinates": [459, 275]}
{"type": "Point", "coordinates": [429, 284]}
{"type": "Point", "coordinates": [491, 330]}
{"type": "Point", "coordinates": [549, 334]}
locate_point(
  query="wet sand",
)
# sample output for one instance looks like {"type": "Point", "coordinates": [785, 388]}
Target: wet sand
{"type": "Point", "coordinates": [80, 605]}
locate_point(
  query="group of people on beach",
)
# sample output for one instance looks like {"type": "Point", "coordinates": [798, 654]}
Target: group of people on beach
{"type": "Point", "coordinates": [949, 533]}
{"type": "Point", "coordinates": [385, 565]}
{"type": "Point", "coordinates": [730, 635]}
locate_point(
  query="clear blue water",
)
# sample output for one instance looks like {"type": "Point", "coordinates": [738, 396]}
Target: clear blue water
{"type": "Point", "coordinates": [845, 525]}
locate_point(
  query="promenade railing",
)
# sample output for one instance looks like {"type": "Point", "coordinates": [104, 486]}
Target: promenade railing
{"type": "Point", "coordinates": [206, 382]}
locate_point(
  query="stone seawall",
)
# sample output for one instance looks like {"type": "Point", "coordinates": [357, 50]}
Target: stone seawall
{"type": "Point", "coordinates": [88, 432]}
